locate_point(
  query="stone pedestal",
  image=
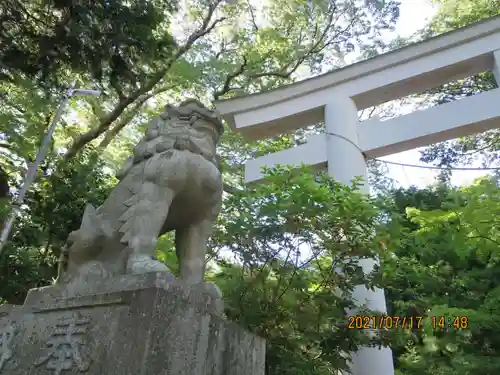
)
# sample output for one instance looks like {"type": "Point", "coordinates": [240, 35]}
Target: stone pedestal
{"type": "Point", "coordinates": [147, 324]}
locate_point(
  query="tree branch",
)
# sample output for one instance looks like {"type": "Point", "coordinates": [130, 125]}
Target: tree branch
{"type": "Point", "coordinates": [125, 120]}
{"type": "Point", "coordinates": [207, 26]}
{"type": "Point", "coordinates": [230, 189]}
{"type": "Point", "coordinates": [114, 84]}
{"type": "Point", "coordinates": [227, 84]}
{"type": "Point", "coordinates": [80, 141]}
{"type": "Point", "coordinates": [288, 69]}
{"type": "Point", "coordinates": [252, 15]}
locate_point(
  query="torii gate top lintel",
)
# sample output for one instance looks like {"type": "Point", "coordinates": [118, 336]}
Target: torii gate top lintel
{"type": "Point", "coordinates": [408, 70]}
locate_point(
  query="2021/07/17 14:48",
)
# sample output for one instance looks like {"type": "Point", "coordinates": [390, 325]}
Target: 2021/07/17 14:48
{"type": "Point", "coordinates": [439, 322]}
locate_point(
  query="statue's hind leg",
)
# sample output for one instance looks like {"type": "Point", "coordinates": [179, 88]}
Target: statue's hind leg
{"type": "Point", "coordinates": [190, 246]}
{"type": "Point", "coordinates": [142, 226]}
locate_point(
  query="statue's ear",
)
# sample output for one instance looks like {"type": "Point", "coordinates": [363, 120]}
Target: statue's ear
{"type": "Point", "coordinates": [89, 216]}
{"type": "Point", "coordinates": [92, 223]}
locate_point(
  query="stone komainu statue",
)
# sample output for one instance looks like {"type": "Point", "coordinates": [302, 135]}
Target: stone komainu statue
{"type": "Point", "coordinates": [171, 182]}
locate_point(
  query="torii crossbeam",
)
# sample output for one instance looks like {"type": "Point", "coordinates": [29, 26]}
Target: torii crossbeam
{"type": "Point", "coordinates": [335, 99]}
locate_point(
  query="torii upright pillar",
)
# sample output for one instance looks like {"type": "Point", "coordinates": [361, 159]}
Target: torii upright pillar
{"type": "Point", "coordinates": [345, 161]}
{"type": "Point", "coordinates": [335, 99]}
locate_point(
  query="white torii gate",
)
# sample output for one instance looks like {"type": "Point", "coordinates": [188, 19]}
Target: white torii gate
{"type": "Point", "coordinates": [335, 98]}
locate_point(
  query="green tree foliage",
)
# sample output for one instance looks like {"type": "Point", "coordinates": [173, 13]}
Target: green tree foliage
{"type": "Point", "coordinates": [444, 262]}
{"type": "Point", "coordinates": [113, 41]}
{"type": "Point", "coordinates": [206, 49]}
{"type": "Point", "coordinates": [54, 207]}
{"type": "Point", "coordinates": [283, 259]}
{"type": "Point", "coordinates": [25, 112]}
{"type": "Point", "coordinates": [453, 14]}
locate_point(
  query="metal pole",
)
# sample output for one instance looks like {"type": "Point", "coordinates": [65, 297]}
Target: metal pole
{"type": "Point", "coordinates": [32, 170]}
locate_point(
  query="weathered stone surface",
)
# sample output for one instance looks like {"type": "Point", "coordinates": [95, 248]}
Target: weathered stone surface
{"type": "Point", "coordinates": [8, 313]}
{"type": "Point", "coordinates": [146, 324]}
{"type": "Point", "coordinates": [170, 183]}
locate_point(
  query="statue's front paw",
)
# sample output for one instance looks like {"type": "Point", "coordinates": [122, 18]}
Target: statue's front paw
{"type": "Point", "coordinates": [143, 264]}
